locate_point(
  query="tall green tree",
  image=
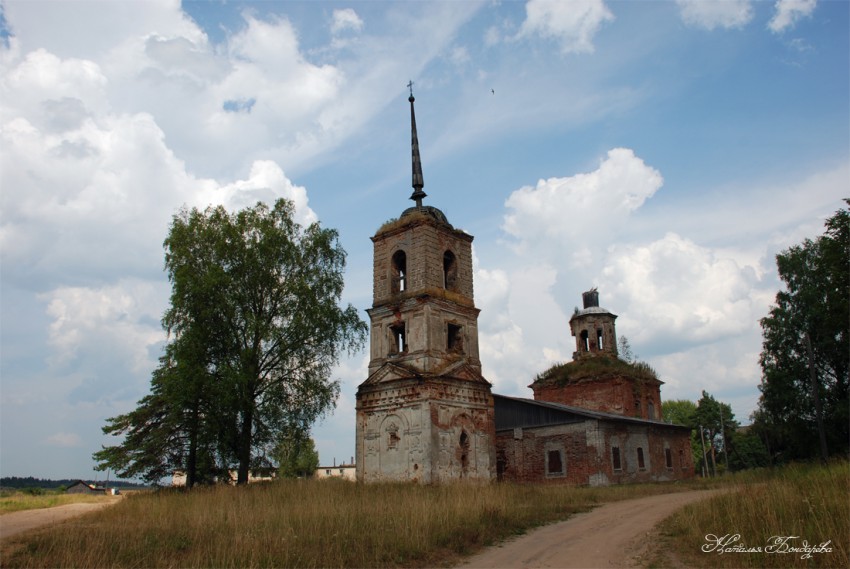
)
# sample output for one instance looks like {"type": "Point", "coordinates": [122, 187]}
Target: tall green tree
{"type": "Point", "coordinates": [804, 409]}
{"type": "Point", "coordinates": [255, 329]}
{"type": "Point", "coordinates": [717, 422]}
{"type": "Point", "coordinates": [684, 412]}
{"type": "Point", "coordinates": [296, 455]}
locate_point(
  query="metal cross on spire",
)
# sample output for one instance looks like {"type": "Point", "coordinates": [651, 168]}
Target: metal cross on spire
{"type": "Point", "coordinates": [418, 182]}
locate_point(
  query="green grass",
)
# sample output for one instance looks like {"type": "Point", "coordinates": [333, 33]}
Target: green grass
{"type": "Point", "coordinates": [810, 502]}
{"type": "Point", "coordinates": [18, 501]}
{"type": "Point", "coordinates": [595, 367]}
{"type": "Point", "coordinates": [291, 523]}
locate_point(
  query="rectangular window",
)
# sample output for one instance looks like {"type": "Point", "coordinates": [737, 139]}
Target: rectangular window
{"type": "Point", "coordinates": [554, 463]}
{"type": "Point", "coordinates": [454, 338]}
{"type": "Point", "coordinates": [397, 339]}
{"type": "Point", "coordinates": [641, 464]}
{"type": "Point", "coordinates": [668, 456]}
{"type": "Point", "coordinates": [615, 457]}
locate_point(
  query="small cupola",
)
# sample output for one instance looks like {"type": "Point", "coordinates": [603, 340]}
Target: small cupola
{"type": "Point", "coordinates": [593, 328]}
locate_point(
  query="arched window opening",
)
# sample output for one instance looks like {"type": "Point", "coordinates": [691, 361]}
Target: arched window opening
{"type": "Point", "coordinates": [464, 451]}
{"type": "Point", "coordinates": [599, 345]}
{"type": "Point", "coordinates": [399, 282]}
{"type": "Point", "coordinates": [641, 463]}
{"type": "Point", "coordinates": [449, 271]}
{"type": "Point", "coordinates": [650, 410]}
{"type": "Point", "coordinates": [585, 341]}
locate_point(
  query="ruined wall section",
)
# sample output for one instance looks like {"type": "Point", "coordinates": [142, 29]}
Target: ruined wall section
{"type": "Point", "coordinates": [429, 325]}
{"type": "Point", "coordinates": [424, 242]}
{"type": "Point", "coordinates": [617, 394]}
{"type": "Point", "coordinates": [590, 322]}
{"type": "Point", "coordinates": [594, 452]}
{"type": "Point", "coordinates": [425, 431]}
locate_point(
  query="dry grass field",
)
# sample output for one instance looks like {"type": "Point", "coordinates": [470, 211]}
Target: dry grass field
{"type": "Point", "coordinates": [781, 513]}
{"type": "Point", "coordinates": [333, 523]}
{"type": "Point", "coordinates": [18, 501]}
{"type": "Point", "coordinates": [292, 523]}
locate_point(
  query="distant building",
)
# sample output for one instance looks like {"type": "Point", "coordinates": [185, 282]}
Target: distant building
{"type": "Point", "coordinates": [178, 479]}
{"type": "Point", "coordinates": [81, 487]}
{"type": "Point", "coordinates": [344, 471]}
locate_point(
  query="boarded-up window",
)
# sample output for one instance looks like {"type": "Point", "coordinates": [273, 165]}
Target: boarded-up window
{"type": "Point", "coordinates": [641, 464]}
{"type": "Point", "coordinates": [554, 463]}
{"type": "Point", "coordinates": [615, 458]}
{"type": "Point", "coordinates": [669, 457]}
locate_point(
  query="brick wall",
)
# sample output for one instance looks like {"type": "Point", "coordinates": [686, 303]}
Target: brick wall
{"type": "Point", "coordinates": [587, 451]}
{"type": "Point", "coordinates": [614, 394]}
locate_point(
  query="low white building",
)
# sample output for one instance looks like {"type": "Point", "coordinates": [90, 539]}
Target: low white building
{"type": "Point", "coordinates": [344, 471]}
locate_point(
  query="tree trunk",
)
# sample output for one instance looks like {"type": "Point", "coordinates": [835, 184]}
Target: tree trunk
{"type": "Point", "coordinates": [192, 460]}
{"type": "Point", "coordinates": [245, 444]}
{"type": "Point", "coordinates": [813, 379]}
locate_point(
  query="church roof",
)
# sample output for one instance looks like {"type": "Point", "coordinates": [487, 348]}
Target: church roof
{"type": "Point", "coordinates": [519, 412]}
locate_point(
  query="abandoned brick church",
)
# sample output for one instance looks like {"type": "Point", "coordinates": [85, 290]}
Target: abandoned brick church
{"type": "Point", "coordinates": [426, 413]}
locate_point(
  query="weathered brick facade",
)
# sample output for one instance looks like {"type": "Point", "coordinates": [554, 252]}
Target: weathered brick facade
{"type": "Point", "coordinates": [618, 394]}
{"type": "Point", "coordinates": [568, 445]}
{"type": "Point", "coordinates": [425, 413]}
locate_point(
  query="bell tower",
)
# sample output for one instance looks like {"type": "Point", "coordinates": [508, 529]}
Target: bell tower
{"type": "Point", "coordinates": [425, 412]}
{"type": "Point", "coordinates": [593, 328]}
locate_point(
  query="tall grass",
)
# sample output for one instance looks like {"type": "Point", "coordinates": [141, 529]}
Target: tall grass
{"type": "Point", "coordinates": [18, 501]}
{"type": "Point", "coordinates": [808, 502]}
{"type": "Point", "coordinates": [328, 523]}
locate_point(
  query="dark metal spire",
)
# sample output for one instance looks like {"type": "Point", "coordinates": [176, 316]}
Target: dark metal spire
{"type": "Point", "coordinates": [418, 182]}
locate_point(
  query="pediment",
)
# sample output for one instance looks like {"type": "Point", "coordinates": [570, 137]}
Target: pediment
{"type": "Point", "coordinates": [462, 370]}
{"type": "Point", "coordinates": [391, 371]}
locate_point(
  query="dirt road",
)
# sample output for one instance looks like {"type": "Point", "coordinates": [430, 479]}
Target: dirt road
{"type": "Point", "coordinates": [19, 522]}
{"type": "Point", "coordinates": [613, 535]}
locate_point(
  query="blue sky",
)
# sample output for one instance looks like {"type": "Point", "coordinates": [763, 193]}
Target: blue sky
{"type": "Point", "coordinates": [661, 151]}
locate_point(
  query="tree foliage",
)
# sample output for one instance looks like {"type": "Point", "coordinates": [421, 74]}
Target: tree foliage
{"type": "Point", "coordinates": [803, 409]}
{"type": "Point", "coordinates": [255, 329]}
{"type": "Point", "coordinates": [296, 456]}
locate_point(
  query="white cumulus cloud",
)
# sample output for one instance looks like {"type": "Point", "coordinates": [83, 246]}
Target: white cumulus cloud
{"type": "Point", "coordinates": [346, 19]}
{"type": "Point", "coordinates": [566, 213]}
{"type": "Point", "coordinates": [789, 12]}
{"type": "Point", "coordinates": [676, 292]}
{"type": "Point", "coordinates": [121, 318]}
{"type": "Point", "coordinates": [710, 14]}
{"type": "Point", "coordinates": [573, 24]}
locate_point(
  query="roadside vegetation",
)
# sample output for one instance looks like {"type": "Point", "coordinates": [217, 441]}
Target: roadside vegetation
{"type": "Point", "coordinates": [804, 501]}
{"type": "Point", "coordinates": [16, 501]}
{"type": "Point", "coordinates": [309, 523]}
{"type": "Point", "coordinates": [334, 523]}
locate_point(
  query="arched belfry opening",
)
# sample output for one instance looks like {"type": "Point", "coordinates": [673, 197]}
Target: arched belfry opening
{"type": "Point", "coordinates": [399, 272]}
{"type": "Point", "coordinates": [449, 271]}
{"type": "Point", "coordinates": [424, 359]}
{"type": "Point", "coordinates": [463, 447]}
